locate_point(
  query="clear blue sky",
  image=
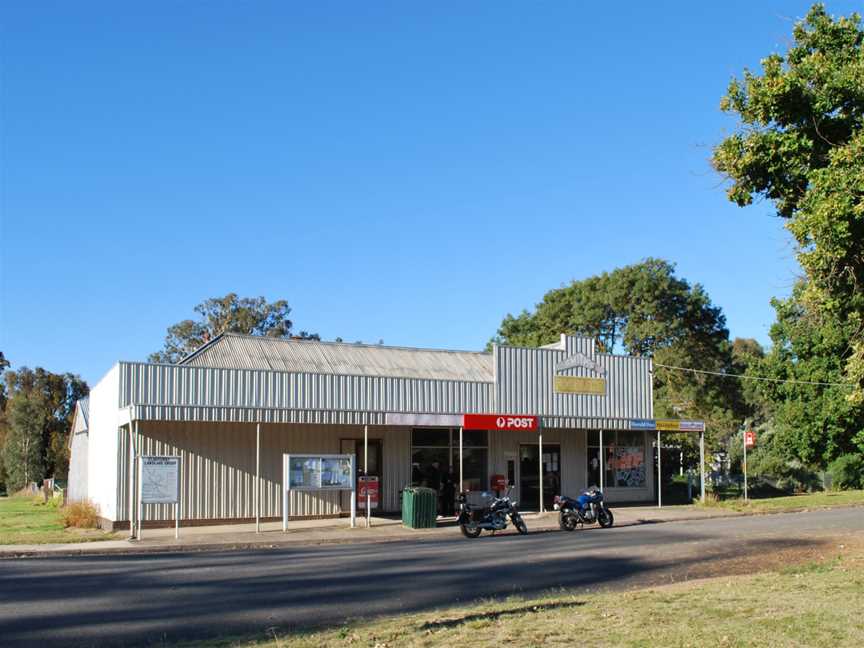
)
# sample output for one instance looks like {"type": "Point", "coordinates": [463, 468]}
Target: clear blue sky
{"type": "Point", "coordinates": [395, 171]}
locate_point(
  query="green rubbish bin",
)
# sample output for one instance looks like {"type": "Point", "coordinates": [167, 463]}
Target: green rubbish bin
{"type": "Point", "coordinates": [419, 508]}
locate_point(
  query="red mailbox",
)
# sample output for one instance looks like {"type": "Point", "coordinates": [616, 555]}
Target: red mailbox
{"type": "Point", "coordinates": [498, 482]}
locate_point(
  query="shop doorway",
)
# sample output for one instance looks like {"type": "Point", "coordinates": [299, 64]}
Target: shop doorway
{"type": "Point", "coordinates": [376, 464]}
{"type": "Point", "coordinates": [529, 476]}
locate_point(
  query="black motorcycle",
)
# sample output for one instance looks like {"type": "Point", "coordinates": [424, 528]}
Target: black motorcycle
{"type": "Point", "coordinates": [491, 516]}
{"type": "Point", "coordinates": [588, 508]}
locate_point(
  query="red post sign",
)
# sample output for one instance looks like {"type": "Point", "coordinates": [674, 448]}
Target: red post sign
{"type": "Point", "coordinates": [749, 439]}
{"type": "Point", "coordinates": [514, 422]}
{"type": "Point", "coordinates": [370, 485]}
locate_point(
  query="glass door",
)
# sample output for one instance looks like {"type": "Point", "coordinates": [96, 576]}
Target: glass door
{"type": "Point", "coordinates": [529, 476]}
{"type": "Point", "coordinates": [355, 446]}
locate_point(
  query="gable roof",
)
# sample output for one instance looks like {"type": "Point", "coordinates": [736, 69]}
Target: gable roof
{"type": "Point", "coordinates": [80, 418]}
{"type": "Point", "coordinates": [235, 351]}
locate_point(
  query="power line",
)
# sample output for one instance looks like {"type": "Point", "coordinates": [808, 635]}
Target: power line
{"type": "Point", "coordinates": [723, 374]}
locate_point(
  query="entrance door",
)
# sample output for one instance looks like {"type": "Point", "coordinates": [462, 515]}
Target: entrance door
{"type": "Point", "coordinates": [529, 476]}
{"type": "Point", "coordinates": [376, 464]}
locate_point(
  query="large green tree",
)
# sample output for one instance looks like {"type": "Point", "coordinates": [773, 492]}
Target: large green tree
{"type": "Point", "coordinates": [645, 309]}
{"type": "Point", "coordinates": [801, 145]}
{"type": "Point", "coordinates": [56, 394]}
{"type": "Point", "coordinates": [228, 314]}
{"type": "Point", "coordinates": [23, 450]}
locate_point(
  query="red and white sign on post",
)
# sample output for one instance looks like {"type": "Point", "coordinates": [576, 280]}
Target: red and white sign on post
{"type": "Point", "coordinates": [371, 486]}
{"type": "Point", "coordinates": [749, 439]}
{"type": "Point", "coordinates": [511, 422]}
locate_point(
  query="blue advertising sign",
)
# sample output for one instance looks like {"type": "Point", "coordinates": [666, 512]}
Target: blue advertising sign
{"type": "Point", "coordinates": [643, 424]}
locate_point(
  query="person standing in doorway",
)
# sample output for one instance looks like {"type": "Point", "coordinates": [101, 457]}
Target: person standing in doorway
{"type": "Point", "coordinates": [433, 479]}
{"type": "Point", "coordinates": [448, 494]}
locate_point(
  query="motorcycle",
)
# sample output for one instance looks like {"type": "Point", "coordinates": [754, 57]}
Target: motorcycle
{"type": "Point", "coordinates": [588, 508]}
{"type": "Point", "coordinates": [492, 516]}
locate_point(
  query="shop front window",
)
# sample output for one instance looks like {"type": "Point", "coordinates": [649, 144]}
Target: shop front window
{"type": "Point", "coordinates": [435, 458]}
{"type": "Point", "coordinates": [624, 460]}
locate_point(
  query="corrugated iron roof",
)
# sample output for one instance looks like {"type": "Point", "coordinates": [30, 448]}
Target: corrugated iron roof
{"type": "Point", "coordinates": [235, 351]}
{"type": "Point", "coordinates": [84, 405]}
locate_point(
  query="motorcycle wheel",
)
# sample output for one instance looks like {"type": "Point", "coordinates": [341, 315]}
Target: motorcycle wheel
{"type": "Point", "coordinates": [567, 522]}
{"type": "Point", "coordinates": [605, 518]}
{"type": "Point", "coordinates": [470, 532]}
{"type": "Point", "coordinates": [519, 523]}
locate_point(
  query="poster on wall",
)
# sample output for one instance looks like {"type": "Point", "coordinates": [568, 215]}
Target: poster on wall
{"type": "Point", "coordinates": [304, 472]}
{"type": "Point", "coordinates": [336, 473]}
{"type": "Point", "coordinates": [160, 480]}
{"type": "Point", "coordinates": [629, 466]}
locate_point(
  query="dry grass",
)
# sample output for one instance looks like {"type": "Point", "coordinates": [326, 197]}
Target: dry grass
{"type": "Point", "coordinates": [827, 499]}
{"type": "Point", "coordinates": [81, 515]}
{"type": "Point", "coordinates": [23, 521]}
{"type": "Point", "coordinates": [814, 603]}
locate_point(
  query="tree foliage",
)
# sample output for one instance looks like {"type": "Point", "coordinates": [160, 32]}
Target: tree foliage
{"type": "Point", "coordinates": [228, 314]}
{"type": "Point", "coordinates": [812, 423]}
{"type": "Point", "coordinates": [801, 145]}
{"type": "Point", "coordinates": [49, 400]}
{"type": "Point", "coordinates": [23, 449]}
{"type": "Point", "coordinates": [645, 309]}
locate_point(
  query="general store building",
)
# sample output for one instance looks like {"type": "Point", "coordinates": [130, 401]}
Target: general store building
{"type": "Point", "coordinates": [233, 408]}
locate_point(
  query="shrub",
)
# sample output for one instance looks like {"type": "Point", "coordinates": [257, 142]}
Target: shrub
{"type": "Point", "coordinates": [788, 475]}
{"type": "Point", "coordinates": [82, 515]}
{"type": "Point", "coordinates": [847, 472]}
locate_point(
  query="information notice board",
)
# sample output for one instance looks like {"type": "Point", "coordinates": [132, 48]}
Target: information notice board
{"type": "Point", "coordinates": [309, 472]}
{"type": "Point", "coordinates": [159, 483]}
{"type": "Point", "coordinates": [160, 480]}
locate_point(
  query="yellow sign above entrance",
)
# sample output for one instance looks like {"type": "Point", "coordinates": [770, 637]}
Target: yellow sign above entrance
{"type": "Point", "coordinates": [579, 385]}
{"type": "Point", "coordinates": [668, 425]}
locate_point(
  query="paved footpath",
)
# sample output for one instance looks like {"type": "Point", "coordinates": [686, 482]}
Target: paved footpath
{"type": "Point", "coordinates": [315, 532]}
{"type": "Point", "coordinates": [162, 598]}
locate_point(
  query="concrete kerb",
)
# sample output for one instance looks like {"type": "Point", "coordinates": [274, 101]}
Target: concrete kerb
{"type": "Point", "coordinates": [537, 524]}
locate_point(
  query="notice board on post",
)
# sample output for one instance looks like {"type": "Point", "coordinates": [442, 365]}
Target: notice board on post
{"type": "Point", "coordinates": [159, 483]}
{"type": "Point", "coordinates": [160, 480]}
{"type": "Point", "coordinates": [308, 472]}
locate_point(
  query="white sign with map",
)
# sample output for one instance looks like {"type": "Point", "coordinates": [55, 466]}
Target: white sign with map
{"type": "Point", "coordinates": [160, 480]}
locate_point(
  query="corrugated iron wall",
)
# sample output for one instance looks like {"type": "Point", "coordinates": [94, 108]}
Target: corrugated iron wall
{"type": "Point", "coordinates": [524, 384]}
{"type": "Point", "coordinates": [166, 385]}
{"type": "Point", "coordinates": [77, 489]}
{"type": "Point", "coordinates": [218, 467]}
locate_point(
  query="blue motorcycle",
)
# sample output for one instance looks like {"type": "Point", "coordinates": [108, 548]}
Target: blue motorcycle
{"type": "Point", "coordinates": [588, 508]}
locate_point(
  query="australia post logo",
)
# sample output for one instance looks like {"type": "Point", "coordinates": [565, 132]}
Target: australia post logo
{"type": "Point", "coordinates": [513, 422]}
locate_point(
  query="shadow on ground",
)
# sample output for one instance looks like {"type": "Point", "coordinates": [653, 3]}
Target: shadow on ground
{"type": "Point", "coordinates": [161, 599]}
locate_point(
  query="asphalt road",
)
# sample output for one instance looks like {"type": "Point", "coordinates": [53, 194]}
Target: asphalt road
{"type": "Point", "coordinates": [158, 599]}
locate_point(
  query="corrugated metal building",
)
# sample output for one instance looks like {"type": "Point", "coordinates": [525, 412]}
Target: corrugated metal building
{"type": "Point", "coordinates": [309, 396]}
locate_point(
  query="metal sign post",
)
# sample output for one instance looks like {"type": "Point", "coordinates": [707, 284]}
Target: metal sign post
{"type": "Point", "coordinates": [258, 478]}
{"type": "Point", "coordinates": [659, 475]}
{"type": "Point", "coordinates": [745, 467]}
{"type": "Point", "coordinates": [749, 444]}
{"type": "Point", "coordinates": [461, 473]}
{"type": "Point", "coordinates": [602, 461]}
{"type": "Point", "coordinates": [540, 443]}
{"type": "Point", "coordinates": [702, 465]}
{"type": "Point", "coordinates": [366, 475]}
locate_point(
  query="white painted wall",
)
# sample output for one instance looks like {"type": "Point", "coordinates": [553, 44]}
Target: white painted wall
{"type": "Point", "coordinates": [102, 444]}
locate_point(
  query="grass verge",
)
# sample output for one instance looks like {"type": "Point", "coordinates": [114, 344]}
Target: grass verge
{"type": "Point", "coordinates": [790, 502]}
{"type": "Point", "coordinates": [815, 603]}
{"type": "Point", "coordinates": [24, 521]}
